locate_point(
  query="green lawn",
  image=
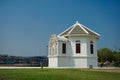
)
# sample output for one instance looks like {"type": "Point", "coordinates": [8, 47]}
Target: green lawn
{"type": "Point", "coordinates": [56, 74]}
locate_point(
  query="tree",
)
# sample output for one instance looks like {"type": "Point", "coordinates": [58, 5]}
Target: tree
{"type": "Point", "coordinates": [105, 54]}
{"type": "Point", "coordinates": [116, 56]}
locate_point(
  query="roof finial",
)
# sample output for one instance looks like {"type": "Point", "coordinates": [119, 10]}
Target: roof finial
{"type": "Point", "coordinates": [76, 21]}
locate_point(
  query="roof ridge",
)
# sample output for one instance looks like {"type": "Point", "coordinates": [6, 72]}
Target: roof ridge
{"type": "Point", "coordinates": [71, 29]}
{"type": "Point", "coordinates": [66, 30]}
{"type": "Point", "coordinates": [83, 28]}
{"type": "Point", "coordinates": [74, 26]}
{"type": "Point", "coordinates": [91, 30]}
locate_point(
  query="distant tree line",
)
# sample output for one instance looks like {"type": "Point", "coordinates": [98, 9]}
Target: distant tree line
{"type": "Point", "coordinates": [109, 57]}
{"type": "Point", "coordinates": [23, 61]}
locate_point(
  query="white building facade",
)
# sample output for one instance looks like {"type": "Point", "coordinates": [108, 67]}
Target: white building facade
{"type": "Point", "coordinates": [76, 47]}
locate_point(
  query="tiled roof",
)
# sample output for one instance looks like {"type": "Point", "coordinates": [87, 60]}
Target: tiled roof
{"type": "Point", "coordinates": [78, 29]}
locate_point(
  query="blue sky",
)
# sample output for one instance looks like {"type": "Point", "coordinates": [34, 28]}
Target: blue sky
{"type": "Point", "coordinates": [26, 25]}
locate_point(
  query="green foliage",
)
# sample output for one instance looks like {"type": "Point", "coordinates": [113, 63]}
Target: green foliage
{"type": "Point", "coordinates": [56, 74]}
{"type": "Point", "coordinates": [106, 54]}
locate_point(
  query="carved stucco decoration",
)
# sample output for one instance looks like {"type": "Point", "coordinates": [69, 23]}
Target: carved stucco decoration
{"type": "Point", "coordinates": [53, 45]}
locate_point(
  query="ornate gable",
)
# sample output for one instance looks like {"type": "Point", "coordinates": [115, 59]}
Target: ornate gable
{"type": "Point", "coordinates": [79, 30]}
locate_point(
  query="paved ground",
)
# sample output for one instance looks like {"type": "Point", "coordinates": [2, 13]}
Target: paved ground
{"type": "Point", "coordinates": [107, 70]}
{"type": "Point", "coordinates": [104, 69]}
{"type": "Point", "coordinates": [18, 67]}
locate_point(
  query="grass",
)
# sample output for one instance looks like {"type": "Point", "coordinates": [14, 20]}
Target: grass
{"type": "Point", "coordinates": [56, 74]}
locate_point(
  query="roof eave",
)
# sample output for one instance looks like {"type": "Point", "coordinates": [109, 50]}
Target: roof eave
{"type": "Point", "coordinates": [83, 35]}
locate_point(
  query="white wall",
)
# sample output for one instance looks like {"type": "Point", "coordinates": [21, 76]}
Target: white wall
{"type": "Point", "coordinates": [80, 62]}
{"type": "Point", "coordinates": [53, 62]}
{"type": "Point", "coordinates": [67, 49]}
{"type": "Point", "coordinates": [88, 47]}
{"type": "Point", "coordinates": [64, 62]}
{"type": "Point", "coordinates": [83, 45]}
{"type": "Point", "coordinates": [92, 61]}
